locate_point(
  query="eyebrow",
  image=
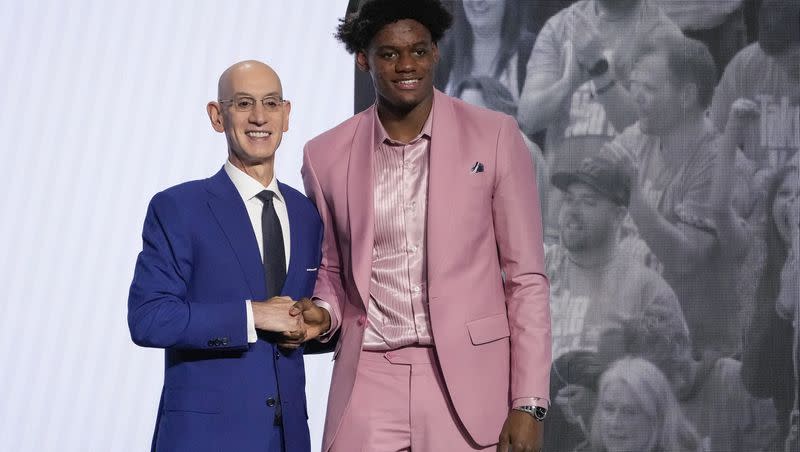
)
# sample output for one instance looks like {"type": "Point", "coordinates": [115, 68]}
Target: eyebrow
{"type": "Point", "coordinates": [416, 44]}
{"type": "Point", "coordinates": [242, 93]}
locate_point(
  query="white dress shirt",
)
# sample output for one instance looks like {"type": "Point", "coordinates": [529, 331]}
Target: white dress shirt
{"type": "Point", "coordinates": [248, 188]}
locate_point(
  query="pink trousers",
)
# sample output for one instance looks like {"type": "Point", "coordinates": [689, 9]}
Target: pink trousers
{"type": "Point", "coordinates": [400, 403]}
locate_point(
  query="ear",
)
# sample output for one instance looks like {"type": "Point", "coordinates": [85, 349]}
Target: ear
{"type": "Point", "coordinates": [214, 110]}
{"type": "Point", "coordinates": [361, 61]}
{"type": "Point", "coordinates": [287, 108]}
{"type": "Point", "coordinates": [435, 53]}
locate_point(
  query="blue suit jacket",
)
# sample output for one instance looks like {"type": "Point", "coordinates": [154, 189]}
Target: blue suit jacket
{"type": "Point", "coordinates": [199, 263]}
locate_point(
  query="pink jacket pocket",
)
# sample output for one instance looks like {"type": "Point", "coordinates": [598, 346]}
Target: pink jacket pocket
{"type": "Point", "coordinates": [488, 329]}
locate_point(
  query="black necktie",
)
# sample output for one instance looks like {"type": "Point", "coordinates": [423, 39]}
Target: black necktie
{"type": "Point", "coordinates": [274, 254]}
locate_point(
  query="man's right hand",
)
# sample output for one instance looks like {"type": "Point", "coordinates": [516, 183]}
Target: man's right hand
{"type": "Point", "coordinates": [743, 125]}
{"type": "Point", "coordinates": [273, 315]}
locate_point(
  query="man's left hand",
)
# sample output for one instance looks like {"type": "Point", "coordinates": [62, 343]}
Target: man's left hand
{"type": "Point", "coordinates": [521, 433]}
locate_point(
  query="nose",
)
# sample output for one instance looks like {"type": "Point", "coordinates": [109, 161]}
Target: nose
{"type": "Point", "coordinates": [258, 115]}
{"type": "Point", "coordinates": [405, 62]}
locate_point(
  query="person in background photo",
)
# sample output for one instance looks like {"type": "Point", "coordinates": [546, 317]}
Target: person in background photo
{"type": "Point", "coordinates": [637, 411]}
{"type": "Point", "coordinates": [709, 390]}
{"type": "Point", "coordinates": [670, 153]}
{"type": "Point", "coordinates": [595, 286]}
{"type": "Point", "coordinates": [770, 360]}
{"type": "Point", "coordinates": [573, 386]}
{"type": "Point", "coordinates": [767, 73]}
{"type": "Point", "coordinates": [719, 24]}
{"type": "Point", "coordinates": [577, 82]}
{"type": "Point", "coordinates": [487, 39]}
{"type": "Point", "coordinates": [488, 92]}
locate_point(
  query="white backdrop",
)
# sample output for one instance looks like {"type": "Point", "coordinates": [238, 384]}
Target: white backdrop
{"type": "Point", "coordinates": [103, 105]}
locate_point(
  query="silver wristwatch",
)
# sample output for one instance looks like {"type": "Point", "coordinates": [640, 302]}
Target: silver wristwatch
{"type": "Point", "coordinates": [538, 412]}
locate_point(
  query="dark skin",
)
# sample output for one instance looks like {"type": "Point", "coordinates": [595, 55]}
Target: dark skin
{"type": "Point", "coordinates": [401, 60]}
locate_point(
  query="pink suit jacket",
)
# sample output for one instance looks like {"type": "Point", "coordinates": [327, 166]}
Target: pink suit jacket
{"type": "Point", "coordinates": [492, 334]}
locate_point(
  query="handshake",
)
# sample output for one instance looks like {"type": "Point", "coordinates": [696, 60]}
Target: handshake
{"type": "Point", "coordinates": [296, 321]}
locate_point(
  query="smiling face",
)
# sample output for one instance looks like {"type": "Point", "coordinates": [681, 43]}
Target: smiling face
{"type": "Point", "coordinates": [485, 14]}
{"type": "Point", "coordinates": [659, 102]}
{"type": "Point", "coordinates": [624, 427]}
{"type": "Point", "coordinates": [401, 59]}
{"type": "Point", "coordinates": [587, 219]}
{"type": "Point", "coordinates": [253, 136]}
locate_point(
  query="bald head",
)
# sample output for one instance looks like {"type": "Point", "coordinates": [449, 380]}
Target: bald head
{"type": "Point", "coordinates": [251, 111]}
{"type": "Point", "coordinates": [247, 74]}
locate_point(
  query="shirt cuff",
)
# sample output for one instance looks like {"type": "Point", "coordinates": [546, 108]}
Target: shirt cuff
{"type": "Point", "coordinates": [252, 336]}
{"type": "Point", "coordinates": [531, 401]}
{"type": "Point", "coordinates": [326, 336]}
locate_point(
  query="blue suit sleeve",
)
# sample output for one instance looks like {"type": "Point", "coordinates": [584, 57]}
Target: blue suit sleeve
{"type": "Point", "coordinates": [159, 312]}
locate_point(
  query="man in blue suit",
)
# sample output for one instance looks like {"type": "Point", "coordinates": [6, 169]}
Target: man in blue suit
{"type": "Point", "coordinates": [213, 250]}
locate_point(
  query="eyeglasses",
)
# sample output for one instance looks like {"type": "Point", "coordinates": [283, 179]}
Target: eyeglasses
{"type": "Point", "coordinates": [247, 103]}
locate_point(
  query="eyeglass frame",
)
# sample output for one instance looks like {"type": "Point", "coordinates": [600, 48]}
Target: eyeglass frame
{"type": "Point", "coordinates": [281, 102]}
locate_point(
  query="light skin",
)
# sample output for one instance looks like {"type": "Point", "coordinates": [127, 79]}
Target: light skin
{"type": "Point", "coordinates": [623, 427]}
{"type": "Point", "coordinates": [589, 222]}
{"type": "Point", "coordinates": [253, 138]}
{"type": "Point", "coordinates": [485, 18]}
{"type": "Point", "coordinates": [544, 96]}
{"type": "Point", "coordinates": [744, 115]}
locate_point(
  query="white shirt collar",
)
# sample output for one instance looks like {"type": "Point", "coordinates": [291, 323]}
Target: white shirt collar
{"type": "Point", "coordinates": [248, 187]}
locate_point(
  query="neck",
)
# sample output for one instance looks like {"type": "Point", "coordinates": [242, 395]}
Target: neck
{"type": "Point", "coordinates": [485, 52]}
{"type": "Point", "coordinates": [491, 34]}
{"type": "Point", "coordinates": [261, 171]}
{"type": "Point", "coordinates": [592, 257]}
{"type": "Point", "coordinates": [404, 124]}
{"type": "Point", "coordinates": [614, 10]}
{"type": "Point", "coordinates": [680, 143]}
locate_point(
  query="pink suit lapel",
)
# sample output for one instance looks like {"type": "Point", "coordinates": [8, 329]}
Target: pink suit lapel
{"type": "Point", "coordinates": [445, 145]}
{"type": "Point", "coordinates": [361, 212]}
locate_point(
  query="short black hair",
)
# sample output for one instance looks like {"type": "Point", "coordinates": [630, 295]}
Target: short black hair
{"type": "Point", "coordinates": [778, 26]}
{"type": "Point", "coordinates": [688, 61]}
{"type": "Point", "coordinates": [357, 30]}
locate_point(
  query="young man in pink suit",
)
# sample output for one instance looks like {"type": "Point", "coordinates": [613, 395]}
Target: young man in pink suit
{"type": "Point", "coordinates": [432, 266]}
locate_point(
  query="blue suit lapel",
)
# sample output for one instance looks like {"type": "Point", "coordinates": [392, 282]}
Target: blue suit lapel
{"type": "Point", "coordinates": [295, 225]}
{"type": "Point", "coordinates": [228, 208]}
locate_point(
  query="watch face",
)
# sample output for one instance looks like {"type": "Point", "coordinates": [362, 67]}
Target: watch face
{"type": "Point", "coordinates": [539, 413]}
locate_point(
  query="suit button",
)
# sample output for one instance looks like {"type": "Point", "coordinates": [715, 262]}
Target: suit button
{"type": "Point", "coordinates": [211, 343]}
{"type": "Point", "coordinates": [270, 402]}
{"type": "Point", "coordinates": [361, 320]}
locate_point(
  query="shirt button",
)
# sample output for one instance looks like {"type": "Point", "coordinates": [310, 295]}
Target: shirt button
{"type": "Point", "coordinates": [416, 289]}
